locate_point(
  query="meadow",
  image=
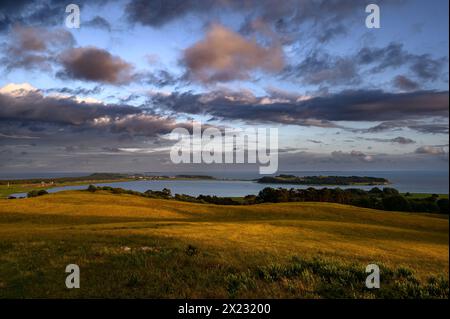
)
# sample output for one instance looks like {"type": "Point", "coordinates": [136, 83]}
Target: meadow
{"type": "Point", "coordinates": [135, 247]}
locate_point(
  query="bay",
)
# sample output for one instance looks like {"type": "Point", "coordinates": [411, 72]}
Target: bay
{"type": "Point", "coordinates": [236, 184]}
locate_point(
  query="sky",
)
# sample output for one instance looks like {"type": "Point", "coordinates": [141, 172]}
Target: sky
{"type": "Point", "coordinates": [107, 95]}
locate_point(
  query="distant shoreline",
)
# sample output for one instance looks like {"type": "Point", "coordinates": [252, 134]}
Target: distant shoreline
{"type": "Point", "coordinates": [410, 184]}
{"type": "Point", "coordinates": [325, 180]}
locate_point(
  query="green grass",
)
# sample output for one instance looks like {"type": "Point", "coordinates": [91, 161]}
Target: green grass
{"type": "Point", "coordinates": [130, 246]}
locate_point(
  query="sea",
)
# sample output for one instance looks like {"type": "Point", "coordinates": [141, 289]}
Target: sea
{"type": "Point", "coordinates": [237, 184]}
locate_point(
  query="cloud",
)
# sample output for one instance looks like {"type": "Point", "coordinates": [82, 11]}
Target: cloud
{"type": "Point", "coordinates": [398, 140]}
{"type": "Point", "coordinates": [140, 124]}
{"type": "Point", "coordinates": [320, 18]}
{"type": "Point", "coordinates": [14, 89]}
{"type": "Point", "coordinates": [25, 106]}
{"type": "Point", "coordinates": [359, 105]}
{"type": "Point", "coordinates": [321, 68]}
{"type": "Point", "coordinates": [94, 64]}
{"type": "Point", "coordinates": [98, 22]}
{"type": "Point", "coordinates": [34, 47]}
{"type": "Point", "coordinates": [225, 56]}
{"type": "Point", "coordinates": [75, 91]}
{"type": "Point", "coordinates": [420, 126]}
{"type": "Point", "coordinates": [405, 84]}
{"type": "Point", "coordinates": [98, 65]}
{"type": "Point", "coordinates": [37, 13]}
{"type": "Point", "coordinates": [158, 78]}
{"type": "Point", "coordinates": [331, 32]}
{"type": "Point", "coordinates": [424, 66]}
{"type": "Point", "coordinates": [430, 150]}
{"type": "Point", "coordinates": [427, 68]}
{"type": "Point", "coordinates": [358, 155]}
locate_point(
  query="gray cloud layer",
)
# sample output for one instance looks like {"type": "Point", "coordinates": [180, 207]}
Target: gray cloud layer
{"type": "Point", "coordinates": [33, 110]}
{"type": "Point", "coordinates": [357, 105]}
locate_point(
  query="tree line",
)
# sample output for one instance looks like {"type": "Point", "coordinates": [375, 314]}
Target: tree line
{"type": "Point", "coordinates": [388, 198]}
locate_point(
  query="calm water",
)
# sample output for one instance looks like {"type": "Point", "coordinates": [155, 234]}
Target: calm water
{"type": "Point", "coordinates": [404, 181]}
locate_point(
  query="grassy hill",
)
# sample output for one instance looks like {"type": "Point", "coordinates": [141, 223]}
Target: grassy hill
{"type": "Point", "coordinates": [130, 246]}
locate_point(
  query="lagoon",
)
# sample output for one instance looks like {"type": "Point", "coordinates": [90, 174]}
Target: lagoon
{"type": "Point", "coordinates": [404, 181]}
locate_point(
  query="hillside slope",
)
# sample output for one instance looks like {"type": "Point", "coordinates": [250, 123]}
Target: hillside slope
{"type": "Point", "coordinates": [129, 246]}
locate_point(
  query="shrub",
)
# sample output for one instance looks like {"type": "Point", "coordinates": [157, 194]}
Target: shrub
{"type": "Point", "coordinates": [36, 193]}
{"type": "Point", "coordinates": [92, 188]}
{"type": "Point", "coordinates": [396, 203]}
{"type": "Point", "coordinates": [443, 205]}
{"type": "Point", "coordinates": [191, 250]}
{"type": "Point", "coordinates": [389, 191]}
{"type": "Point", "coordinates": [273, 195]}
{"type": "Point", "coordinates": [376, 191]}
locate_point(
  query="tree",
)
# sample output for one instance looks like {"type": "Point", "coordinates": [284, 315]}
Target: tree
{"type": "Point", "coordinates": [388, 191]}
{"type": "Point", "coordinates": [397, 203]}
{"type": "Point", "coordinates": [443, 205]}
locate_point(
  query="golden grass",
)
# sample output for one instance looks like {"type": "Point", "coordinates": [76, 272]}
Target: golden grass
{"type": "Point", "coordinates": [418, 241]}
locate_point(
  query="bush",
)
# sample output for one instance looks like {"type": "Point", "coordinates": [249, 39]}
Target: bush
{"type": "Point", "coordinates": [191, 250]}
{"type": "Point", "coordinates": [36, 193]}
{"type": "Point", "coordinates": [92, 188]}
{"type": "Point", "coordinates": [272, 195]}
{"type": "Point", "coordinates": [376, 191]}
{"type": "Point", "coordinates": [396, 203]}
{"type": "Point", "coordinates": [424, 205]}
{"type": "Point", "coordinates": [164, 194]}
{"type": "Point", "coordinates": [217, 200]}
{"type": "Point", "coordinates": [443, 205]}
{"type": "Point", "coordinates": [389, 191]}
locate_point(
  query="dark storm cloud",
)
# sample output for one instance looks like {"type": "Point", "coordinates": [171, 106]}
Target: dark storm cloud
{"type": "Point", "coordinates": [405, 84]}
{"type": "Point", "coordinates": [94, 64]}
{"type": "Point", "coordinates": [360, 105]}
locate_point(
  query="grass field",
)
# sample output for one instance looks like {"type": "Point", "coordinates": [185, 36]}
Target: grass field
{"type": "Point", "coordinates": [130, 246]}
{"type": "Point", "coordinates": [7, 190]}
